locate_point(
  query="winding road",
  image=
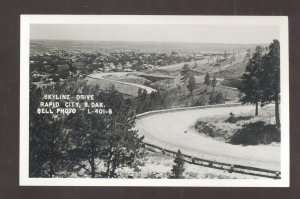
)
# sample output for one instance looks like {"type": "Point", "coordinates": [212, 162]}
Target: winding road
{"type": "Point", "coordinates": [166, 129]}
{"type": "Point", "coordinates": [102, 76]}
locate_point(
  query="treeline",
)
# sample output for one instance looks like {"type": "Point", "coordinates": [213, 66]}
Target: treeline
{"type": "Point", "coordinates": [82, 144]}
{"type": "Point", "coordinates": [153, 101]}
{"type": "Point", "coordinates": [188, 80]}
{"type": "Point", "coordinates": [261, 80]}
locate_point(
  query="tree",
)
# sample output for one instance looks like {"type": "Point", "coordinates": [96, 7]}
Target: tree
{"type": "Point", "coordinates": [55, 78]}
{"type": "Point", "coordinates": [207, 80]}
{"type": "Point", "coordinates": [48, 141]}
{"type": "Point", "coordinates": [191, 84]}
{"type": "Point", "coordinates": [270, 81]}
{"type": "Point", "coordinates": [108, 139]}
{"type": "Point", "coordinates": [113, 88]}
{"type": "Point", "coordinates": [143, 102]}
{"type": "Point", "coordinates": [216, 98]}
{"type": "Point", "coordinates": [195, 65]}
{"type": "Point", "coordinates": [251, 80]}
{"type": "Point", "coordinates": [123, 145]}
{"type": "Point", "coordinates": [140, 92]}
{"type": "Point", "coordinates": [202, 101]}
{"type": "Point", "coordinates": [145, 93]}
{"type": "Point", "coordinates": [178, 167]}
{"type": "Point", "coordinates": [88, 133]}
{"type": "Point", "coordinates": [64, 74]}
{"type": "Point", "coordinates": [219, 98]}
{"type": "Point", "coordinates": [214, 83]}
{"type": "Point", "coordinates": [185, 73]}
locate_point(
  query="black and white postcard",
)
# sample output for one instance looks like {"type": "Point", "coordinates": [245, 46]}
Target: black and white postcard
{"type": "Point", "coordinates": [154, 101]}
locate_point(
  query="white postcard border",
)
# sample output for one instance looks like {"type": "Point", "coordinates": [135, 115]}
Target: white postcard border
{"type": "Point", "coordinates": [26, 20]}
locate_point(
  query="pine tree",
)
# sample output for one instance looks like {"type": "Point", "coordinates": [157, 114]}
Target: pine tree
{"type": "Point", "coordinates": [251, 80]}
{"type": "Point", "coordinates": [207, 80]}
{"type": "Point", "coordinates": [185, 73]}
{"type": "Point", "coordinates": [270, 81]}
{"type": "Point", "coordinates": [140, 92]}
{"type": "Point", "coordinates": [191, 84]}
{"type": "Point", "coordinates": [48, 141]}
{"type": "Point", "coordinates": [195, 65]}
{"type": "Point", "coordinates": [88, 133]}
{"type": "Point", "coordinates": [109, 139]}
{"type": "Point", "coordinates": [214, 83]}
{"type": "Point", "coordinates": [216, 98]}
{"type": "Point", "coordinates": [178, 167]}
{"type": "Point", "coordinates": [113, 88]}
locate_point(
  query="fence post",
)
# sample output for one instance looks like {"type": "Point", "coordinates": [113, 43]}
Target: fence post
{"type": "Point", "coordinates": [193, 160]}
{"type": "Point", "coordinates": [277, 175]}
{"type": "Point", "coordinates": [163, 151]}
{"type": "Point", "coordinates": [231, 168]}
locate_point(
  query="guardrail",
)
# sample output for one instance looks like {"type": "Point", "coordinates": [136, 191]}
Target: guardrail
{"type": "Point", "coordinates": [231, 168]}
{"type": "Point", "coordinates": [204, 162]}
{"type": "Point", "coordinates": [139, 116]}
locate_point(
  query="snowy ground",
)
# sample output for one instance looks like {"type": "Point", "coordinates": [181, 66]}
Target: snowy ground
{"type": "Point", "coordinates": [157, 165]}
{"type": "Point", "coordinates": [167, 130]}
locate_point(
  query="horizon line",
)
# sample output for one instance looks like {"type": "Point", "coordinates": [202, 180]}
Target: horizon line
{"type": "Point", "coordinates": [199, 42]}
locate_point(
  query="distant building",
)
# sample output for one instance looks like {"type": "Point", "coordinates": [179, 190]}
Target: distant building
{"type": "Point", "coordinates": [100, 70]}
{"type": "Point", "coordinates": [147, 66]}
{"type": "Point", "coordinates": [119, 67]}
{"type": "Point", "coordinates": [127, 65]}
{"type": "Point", "coordinates": [106, 69]}
{"type": "Point", "coordinates": [47, 67]}
{"type": "Point", "coordinates": [128, 70]}
{"type": "Point", "coordinates": [78, 65]}
{"type": "Point", "coordinates": [63, 67]}
{"type": "Point", "coordinates": [112, 66]}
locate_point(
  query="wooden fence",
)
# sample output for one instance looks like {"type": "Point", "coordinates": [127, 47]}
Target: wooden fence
{"type": "Point", "coordinates": [231, 168]}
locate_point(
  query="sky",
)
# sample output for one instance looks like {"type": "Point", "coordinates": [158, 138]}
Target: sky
{"type": "Point", "coordinates": [238, 34]}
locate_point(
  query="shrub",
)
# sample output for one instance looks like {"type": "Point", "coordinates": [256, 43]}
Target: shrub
{"type": "Point", "coordinates": [55, 78]}
{"type": "Point", "coordinates": [202, 101]}
{"type": "Point", "coordinates": [216, 98]}
{"type": "Point", "coordinates": [256, 133]}
{"type": "Point", "coordinates": [205, 128]}
{"type": "Point", "coordinates": [233, 119]}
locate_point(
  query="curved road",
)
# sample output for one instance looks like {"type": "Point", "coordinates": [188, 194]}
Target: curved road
{"type": "Point", "coordinates": [100, 76]}
{"type": "Point", "coordinates": [166, 130]}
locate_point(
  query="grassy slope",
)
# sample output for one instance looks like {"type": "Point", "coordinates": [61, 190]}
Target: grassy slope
{"type": "Point", "coordinates": [232, 75]}
{"type": "Point", "coordinates": [224, 130]}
